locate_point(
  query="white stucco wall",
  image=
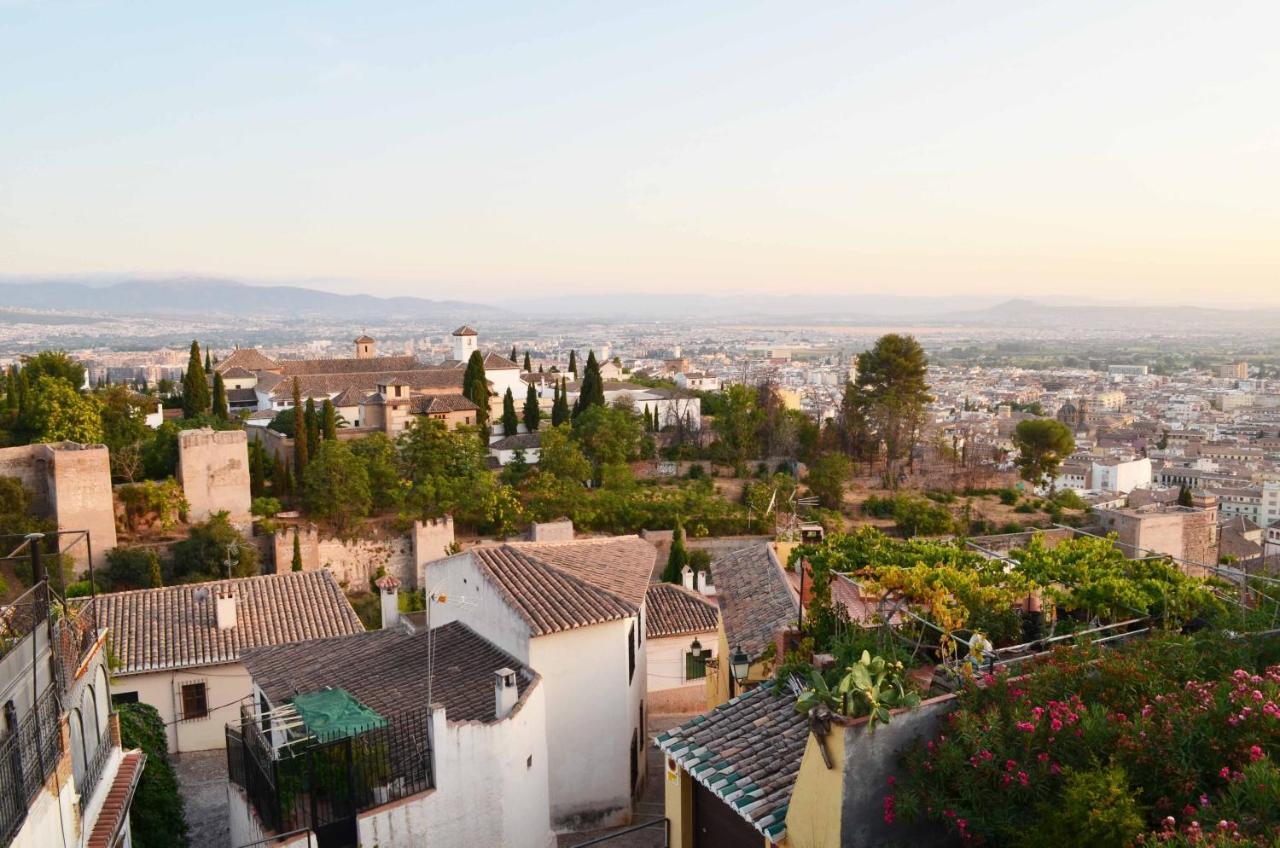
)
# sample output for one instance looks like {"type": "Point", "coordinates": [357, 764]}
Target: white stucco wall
{"type": "Point", "coordinates": [475, 601]}
{"type": "Point", "coordinates": [246, 829]}
{"type": "Point", "coordinates": [491, 787]}
{"type": "Point", "coordinates": [665, 659]}
{"type": "Point", "coordinates": [592, 711]}
{"type": "Point", "coordinates": [225, 686]}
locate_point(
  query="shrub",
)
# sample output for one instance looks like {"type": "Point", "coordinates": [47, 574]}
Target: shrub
{"type": "Point", "coordinates": [696, 471]}
{"type": "Point", "coordinates": [157, 815]}
{"type": "Point", "coordinates": [130, 568]}
{"type": "Point", "coordinates": [152, 504]}
{"type": "Point", "coordinates": [265, 507]}
{"type": "Point", "coordinates": [1024, 508]}
{"type": "Point", "coordinates": [1008, 497]}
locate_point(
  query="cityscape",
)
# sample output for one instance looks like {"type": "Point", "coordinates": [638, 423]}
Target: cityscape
{"type": "Point", "coordinates": [680, 427]}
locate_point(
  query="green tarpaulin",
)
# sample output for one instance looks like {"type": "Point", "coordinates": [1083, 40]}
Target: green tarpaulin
{"type": "Point", "coordinates": [335, 713]}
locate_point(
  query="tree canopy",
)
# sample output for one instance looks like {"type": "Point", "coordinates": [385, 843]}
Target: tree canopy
{"type": "Point", "coordinates": [195, 385]}
{"type": "Point", "coordinates": [1042, 443]}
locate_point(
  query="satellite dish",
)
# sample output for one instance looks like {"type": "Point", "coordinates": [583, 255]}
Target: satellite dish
{"type": "Point", "coordinates": [202, 595]}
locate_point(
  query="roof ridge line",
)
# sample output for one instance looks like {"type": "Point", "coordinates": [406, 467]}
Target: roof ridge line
{"type": "Point", "coordinates": [581, 581]}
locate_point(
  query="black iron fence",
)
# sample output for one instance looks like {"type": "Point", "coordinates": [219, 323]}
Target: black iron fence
{"type": "Point", "coordinates": [75, 633]}
{"type": "Point", "coordinates": [19, 619]}
{"type": "Point", "coordinates": [322, 784]}
{"type": "Point", "coordinates": [93, 772]}
{"type": "Point", "coordinates": [28, 755]}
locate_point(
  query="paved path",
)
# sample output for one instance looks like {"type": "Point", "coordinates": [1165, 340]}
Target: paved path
{"type": "Point", "coordinates": [651, 804]}
{"type": "Point", "coordinates": [202, 782]}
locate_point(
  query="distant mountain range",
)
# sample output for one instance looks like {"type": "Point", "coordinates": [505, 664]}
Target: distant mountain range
{"type": "Point", "coordinates": [191, 295]}
{"type": "Point", "coordinates": [211, 296]}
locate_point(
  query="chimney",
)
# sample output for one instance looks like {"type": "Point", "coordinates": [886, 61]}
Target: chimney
{"type": "Point", "coordinates": [703, 588]}
{"type": "Point", "coordinates": [225, 609]}
{"type": "Point", "coordinates": [686, 577]}
{"type": "Point", "coordinates": [505, 692]}
{"type": "Point", "coordinates": [389, 592]}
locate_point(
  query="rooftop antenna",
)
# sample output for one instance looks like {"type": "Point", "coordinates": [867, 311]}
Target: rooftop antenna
{"type": "Point", "coordinates": [438, 596]}
{"type": "Point", "coordinates": [233, 548]}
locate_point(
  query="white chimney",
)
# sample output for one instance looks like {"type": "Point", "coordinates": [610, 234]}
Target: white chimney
{"type": "Point", "coordinates": [389, 592]}
{"type": "Point", "coordinates": [703, 588]}
{"type": "Point", "coordinates": [686, 577]}
{"type": "Point", "coordinates": [505, 692]}
{"type": "Point", "coordinates": [224, 610]}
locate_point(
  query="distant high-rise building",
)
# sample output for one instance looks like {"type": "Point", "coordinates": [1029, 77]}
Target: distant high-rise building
{"type": "Point", "coordinates": [1233, 371]}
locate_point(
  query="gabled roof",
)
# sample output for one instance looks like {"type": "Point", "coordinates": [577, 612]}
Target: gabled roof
{"type": "Point", "coordinates": [747, 752]}
{"type": "Point", "coordinates": [431, 404]}
{"type": "Point", "coordinates": [755, 599]}
{"type": "Point", "coordinates": [317, 385]}
{"type": "Point", "coordinates": [176, 626]}
{"type": "Point", "coordinates": [557, 586]}
{"type": "Point", "coordinates": [386, 670]}
{"type": "Point", "coordinates": [365, 340]}
{"type": "Point", "coordinates": [348, 365]}
{"type": "Point", "coordinates": [672, 610]}
{"type": "Point", "coordinates": [235, 372]}
{"type": "Point", "coordinates": [248, 358]}
{"type": "Point", "coordinates": [520, 441]}
{"type": "Point", "coordinates": [498, 362]}
{"type": "Point", "coordinates": [464, 330]}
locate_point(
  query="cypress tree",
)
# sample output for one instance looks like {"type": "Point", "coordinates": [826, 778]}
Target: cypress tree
{"type": "Point", "coordinates": [560, 409]}
{"type": "Point", "coordinates": [476, 387]}
{"type": "Point", "coordinates": [297, 551]}
{"type": "Point", "coordinates": [220, 407]}
{"type": "Point", "coordinates": [510, 424]}
{"type": "Point", "coordinates": [527, 365]}
{"type": "Point", "coordinates": [573, 363]}
{"type": "Point", "coordinates": [678, 558]}
{"type": "Point", "coordinates": [329, 421]}
{"type": "Point", "coordinates": [313, 426]}
{"type": "Point", "coordinates": [532, 414]}
{"type": "Point", "coordinates": [300, 446]}
{"type": "Point", "coordinates": [648, 420]}
{"type": "Point", "coordinates": [208, 363]}
{"type": "Point", "coordinates": [195, 386]}
{"type": "Point", "coordinates": [540, 371]}
{"type": "Point", "coordinates": [157, 578]}
{"type": "Point", "coordinates": [591, 393]}
{"type": "Point", "coordinates": [513, 354]}
{"type": "Point", "coordinates": [11, 389]}
{"type": "Point", "coordinates": [257, 469]}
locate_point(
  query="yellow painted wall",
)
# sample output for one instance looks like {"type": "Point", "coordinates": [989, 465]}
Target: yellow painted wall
{"type": "Point", "coordinates": [813, 819]}
{"type": "Point", "coordinates": [678, 786]}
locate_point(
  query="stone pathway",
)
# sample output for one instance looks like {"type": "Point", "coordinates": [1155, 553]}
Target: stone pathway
{"type": "Point", "coordinates": [202, 782]}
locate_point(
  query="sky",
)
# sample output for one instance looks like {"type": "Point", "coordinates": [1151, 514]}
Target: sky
{"type": "Point", "coordinates": [497, 150]}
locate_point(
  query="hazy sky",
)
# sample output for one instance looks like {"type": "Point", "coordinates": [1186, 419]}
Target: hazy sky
{"type": "Point", "coordinates": [1114, 149]}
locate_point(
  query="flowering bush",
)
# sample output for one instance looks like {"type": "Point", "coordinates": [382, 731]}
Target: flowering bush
{"type": "Point", "coordinates": [1062, 748]}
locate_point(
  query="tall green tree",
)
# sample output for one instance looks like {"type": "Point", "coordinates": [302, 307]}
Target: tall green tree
{"type": "Point", "coordinates": [573, 363]}
{"type": "Point", "coordinates": [591, 392]}
{"type": "Point", "coordinates": [737, 426]}
{"type": "Point", "coordinates": [208, 363]}
{"type": "Point", "coordinates": [329, 420]}
{"type": "Point", "coordinates": [827, 478]}
{"type": "Point", "coordinates": [513, 354]}
{"type": "Point", "coordinates": [301, 450]}
{"type": "Point", "coordinates": [379, 455]}
{"type": "Point", "coordinates": [510, 423]}
{"type": "Point", "coordinates": [608, 436]}
{"type": "Point", "coordinates": [890, 395]}
{"type": "Point", "coordinates": [311, 422]}
{"type": "Point", "coordinates": [677, 558]}
{"type": "Point", "coordinates": [475, 385]}
{"type": "Point", "coordinates": [221, 408]}
{"type": "Point", "coordinates": [560, 456]}
{"type": "Point", "coordinates": [195, 386]}
{"type": "Point", "coordinates": [53, 363]}
{"type": "Point", "coordinates": [335, 486]}
{"type": "Point", "coordinates": [527, 365]}
{"type": "Point", "coordinates": [57, 412]}
{"type": "Point", "coordinates": [1042, 443]}
{"type": "Point", "coordinates": [560, 409]}
{"type": "Point", "coordinates": [532, 414]}
{"type": "Point", "coordinates": [296, 564]}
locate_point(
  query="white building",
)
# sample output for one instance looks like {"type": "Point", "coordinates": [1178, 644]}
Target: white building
{"type": "Point", "coordinates": [680, 628]}
{"type": "Point", "coordinates": [178, 647]}
{"type": "Point", "coordinates": [574, 612]}
{"type": "Point", "coordinates": [1120, 475]}
{"type": "Point", "coordinates": [1270, 511]}
{"type": "Point", "coordinates": [505, 448]}
{"type": "Point", "coordinates": [458, 757]}
{"type": "Point", "coordinates": [698, 381]}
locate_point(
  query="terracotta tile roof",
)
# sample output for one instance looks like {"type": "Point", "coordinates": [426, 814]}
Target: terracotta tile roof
{"type": "Point", "coordinates": [520, 441]}
{"type": "Point", "coordinates": [242, 396]}
{"type": "Point", "coordinates": [386, 670]}
{"type": "Point", "coordinates": [248, 358]}
{"type": "Point", "coordinates": [115, 810]}
{"type": "Point", "coordinates": [235, 371]}
{"type": "Point", "coordinates": [747, 752]}
{"type": "Point", "coordinates": [498, 362]}
{"type": "Point", "coordinates": [672, 610]}
{"type": "Point", "coordinates": [429, 404]}
{"type": "Point", "coordinates": [175, 626]}
{"type": "Point", "coordinates": [561, 586]}
{"type": "Point", "coordinates": [318, 385]}
{"type": "Point", "coordinates": [755, 599]}
{"type": "Point", "coordinates": [365, 339]}
{"type": "Point", "coordinates": [348, 365]}
{"type": "Point", "coordinates": [464, 330]}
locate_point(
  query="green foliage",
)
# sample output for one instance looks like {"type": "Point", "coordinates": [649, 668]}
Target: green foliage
{"type": "Point", "coordinates": [130, 568]}
{"type": "Point", "coordinates": [510, 423]}
{"type": "Point", "coordinates": [203, 554]}
{"type": "Point", "coordinates": [53, 363]}
{"type": "Point", "coordinates": [608, 435]}
{"type": "Point", "coordinates": [870, 687]}
{"type": "Point", "coordinates": [1042, 443]}
{"type": "Point", "coordinates": [284, 422]}
{"type": "Point", "coordinates": [157, 816]}
{"type": "Point", "coordinates": [886, 404]}
{"type": "Point", "coordinates": [573, 363]}
{"type": "Point", "coordinates": [296, 564]}
{"type": "Point", "coordinates": [58, 412]}
{"type": "Point", "coordinates": [328, 420]}
{"type": "Point", "coordinates": [827, 478]}
{"type": "Point", "coordinates": [591, 391]}
{"type": "Point", "coordinates": [124, 429]}
{"type": "Point", "coordinates": [301, 444]}
{"type": "Point", "coordinates": [311, 421]}
{"type": "Point", "coordinates": [475, 385]}
{"type": "Point", "coordinates": [221, 409]}
{"type": "Point", "coordinates": [335, 486]}
{"type": "Point", "coordinates": [738, 426]}
{"type": "Point", "coordinates": [265, 507]}
{"type": "Point", "coordinates": [700, 560]}
{"type": "Point", "coordinates": [1097, 807]}
{"type": "Point", "coordinates": [152, 505]}
{"type": "Point", "coordinates": [195, 386]}
{"type": "Point", "coordinates": [528, 367]}
{"type": "Point", "coordinates": [532, 414]}
{"type": "Point", "coordinates": [677, 558]}
{"type": "Point", "coordinates": [914, 515]}
{"type": "Point", "coordinates": [379, 456]}
{"type": "Point", "coordinates": [160, 452]}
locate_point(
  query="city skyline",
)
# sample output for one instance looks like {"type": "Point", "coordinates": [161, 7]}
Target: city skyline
{"type": "Point", "coordinates": [1048, 149]}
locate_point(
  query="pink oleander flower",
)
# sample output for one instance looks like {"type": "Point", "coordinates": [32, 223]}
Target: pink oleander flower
{"type": "Point", "coordinates": [1056, 724]}
{"type": "Point", "coordinates": [1023, 778]}
{"type": "Point", "coordinates": [1255, 753]}
{"type": "Point", "coordinates": [1026, 726]}
{"type": "Point", "coordinates": [1225, 772]}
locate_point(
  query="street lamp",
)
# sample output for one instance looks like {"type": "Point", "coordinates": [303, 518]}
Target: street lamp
{"type": "Point", "coordinates": [696, 647]}
{"type": "Point", "coordinates": [740, 664]}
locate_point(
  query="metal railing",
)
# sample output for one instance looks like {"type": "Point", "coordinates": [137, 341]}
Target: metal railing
{"type": "Point", "coordinates": [322, 784]}
{"type": "Point", "coordinates": [93, 772]}
{"type": "Point", "coordinates": [20, 619]}
{"type": "Point", "coordinates": [28, 755]}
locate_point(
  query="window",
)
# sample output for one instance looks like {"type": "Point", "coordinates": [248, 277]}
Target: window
{"type": "Point", "coordinates": [631, 654]}
{"type": "Point", "coordinates": [695, 664]}
{"type": "Point", "coordinates": [195, 703]}
{"type": "Point", "coordinates": [124, 698]}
